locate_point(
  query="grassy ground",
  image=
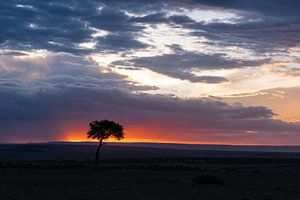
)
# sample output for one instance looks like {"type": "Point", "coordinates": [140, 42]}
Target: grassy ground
{"type": "Point", "coordinates": [150, 181]}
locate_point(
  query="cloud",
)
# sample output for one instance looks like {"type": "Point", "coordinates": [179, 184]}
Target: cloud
{"type": "Point", "coordinates": [60, 27]}
{"type": "Point", "coordinates": [287, 71]}
{"type": "Point", "coordinates": [283, 101]}
{"type": "Point", "coordinates": [47, 79]}
{"type": "Point", "coordinates": [70, 102]}
{"type": "Point", "coordinates": [56, 70]}
{"type": "Point", "coordinates": [120, 41]}
{"type": "Point", "coordinates": [79, 91]}
{"type": "Point", "coordinates": [261, 37]}
{"type": "Point", "coordinates": [267, 7]}
{"type": "Point", "coordinates": [33, 28]}
{"type": "Point", "coordinates": [190, 60]}
{"type": "Point", "coordinates": [202, 79]}
{"type": "Point", "coordinates": [36, 23]}
{"type": "Point", "coordinates": [112, 20]}
{"type": "Point", "coordinates": [176, 64]}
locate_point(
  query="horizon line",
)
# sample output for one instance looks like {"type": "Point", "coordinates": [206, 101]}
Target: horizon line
{"type": "Point", "coordinates": [147, 142]}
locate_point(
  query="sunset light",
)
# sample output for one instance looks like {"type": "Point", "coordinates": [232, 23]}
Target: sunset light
{"type": "Point", "coordinates": [149, 100]}
{"type": "Point", "coordinates": [182, 72]}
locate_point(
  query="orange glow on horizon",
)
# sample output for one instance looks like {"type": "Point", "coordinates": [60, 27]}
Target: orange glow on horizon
{"type": "Point", "coordinates": [158, 132]}
{"type": "Point", "coordinates": [81, 137]}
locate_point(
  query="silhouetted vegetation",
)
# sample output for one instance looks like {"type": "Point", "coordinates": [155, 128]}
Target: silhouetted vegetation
{"type": "Point", "coordinates": [102, 130]}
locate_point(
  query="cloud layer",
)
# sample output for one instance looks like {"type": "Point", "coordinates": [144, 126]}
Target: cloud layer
{"type": "Point", "coordinates": [73, 89]}
{"type": "Point", "coordinates": [71, 60]}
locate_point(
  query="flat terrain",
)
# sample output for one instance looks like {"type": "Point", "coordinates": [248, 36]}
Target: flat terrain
{"type": "Point", "coordinates": [164, 174]}
{"type": "Point", "coordinates": [122, 151]}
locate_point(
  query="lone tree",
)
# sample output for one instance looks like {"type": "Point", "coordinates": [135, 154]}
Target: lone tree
{"type": "Point", "coordinates": [102, 130]}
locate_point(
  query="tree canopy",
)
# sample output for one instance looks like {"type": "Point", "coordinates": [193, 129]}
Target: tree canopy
{"type": "Point", "coordinates": [104, 129]}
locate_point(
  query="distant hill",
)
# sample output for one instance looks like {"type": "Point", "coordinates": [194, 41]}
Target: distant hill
{"type": "Point", "coordinates": [214, 147]}
{"type": "Point", "coordinates": [86, 151]}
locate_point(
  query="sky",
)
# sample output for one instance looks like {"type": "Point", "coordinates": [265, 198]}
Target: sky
{"type": "Point", "coordinates": [194, 71]}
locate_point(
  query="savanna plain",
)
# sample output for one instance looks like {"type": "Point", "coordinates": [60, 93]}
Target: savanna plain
{"type": "Point", "coordinates": [145, 173]}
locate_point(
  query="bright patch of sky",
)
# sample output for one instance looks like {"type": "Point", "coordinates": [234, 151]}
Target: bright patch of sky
{"type": "Point", "coordinates": [98, 32]}
{"type": "Point", "coordinates": [24, 6]}
{"type": "Point", "coordinates": [87, 45]}
{"type": "Point", "coordinates": [209, 15]}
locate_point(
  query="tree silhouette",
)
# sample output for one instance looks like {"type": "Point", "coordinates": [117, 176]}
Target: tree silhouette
{"type": "Point", "coordinates": [102, 130]}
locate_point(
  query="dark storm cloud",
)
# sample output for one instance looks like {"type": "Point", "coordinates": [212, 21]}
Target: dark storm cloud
{"type": "Point", "coordinates": [175, 65]}
{"type": "Point", "coordinates": [62, 25]}
{"type": "Point", "coordinates": [190, 60]}
{"type": "Point", "coordinates": [262, 26]}
{"type": "Point", "coordinates": [268, 7]}
{"type": "Point", "coordinates": [261, 37]}
{"type": "Point", "coordinates": [33, 26]}
{"type": "Point", "coordinates": [266, 26]}
{"type": "Point", "coordinates": [74, 103]}
{"type": "Point", "coordinates": [112, 20]}
{"type": "Point", "coordinates": [151, 18]}
{"type": "Point", "coordinates": [120, 41]}
{"type": "Point", "coordinates": [61, 70]}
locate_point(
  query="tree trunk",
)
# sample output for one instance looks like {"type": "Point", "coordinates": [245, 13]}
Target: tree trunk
{"type": "Point", "coordinates": [97, 154]}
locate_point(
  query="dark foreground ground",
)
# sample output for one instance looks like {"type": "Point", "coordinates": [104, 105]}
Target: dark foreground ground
{"type": "Point", "coordinates": [169, 176]}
